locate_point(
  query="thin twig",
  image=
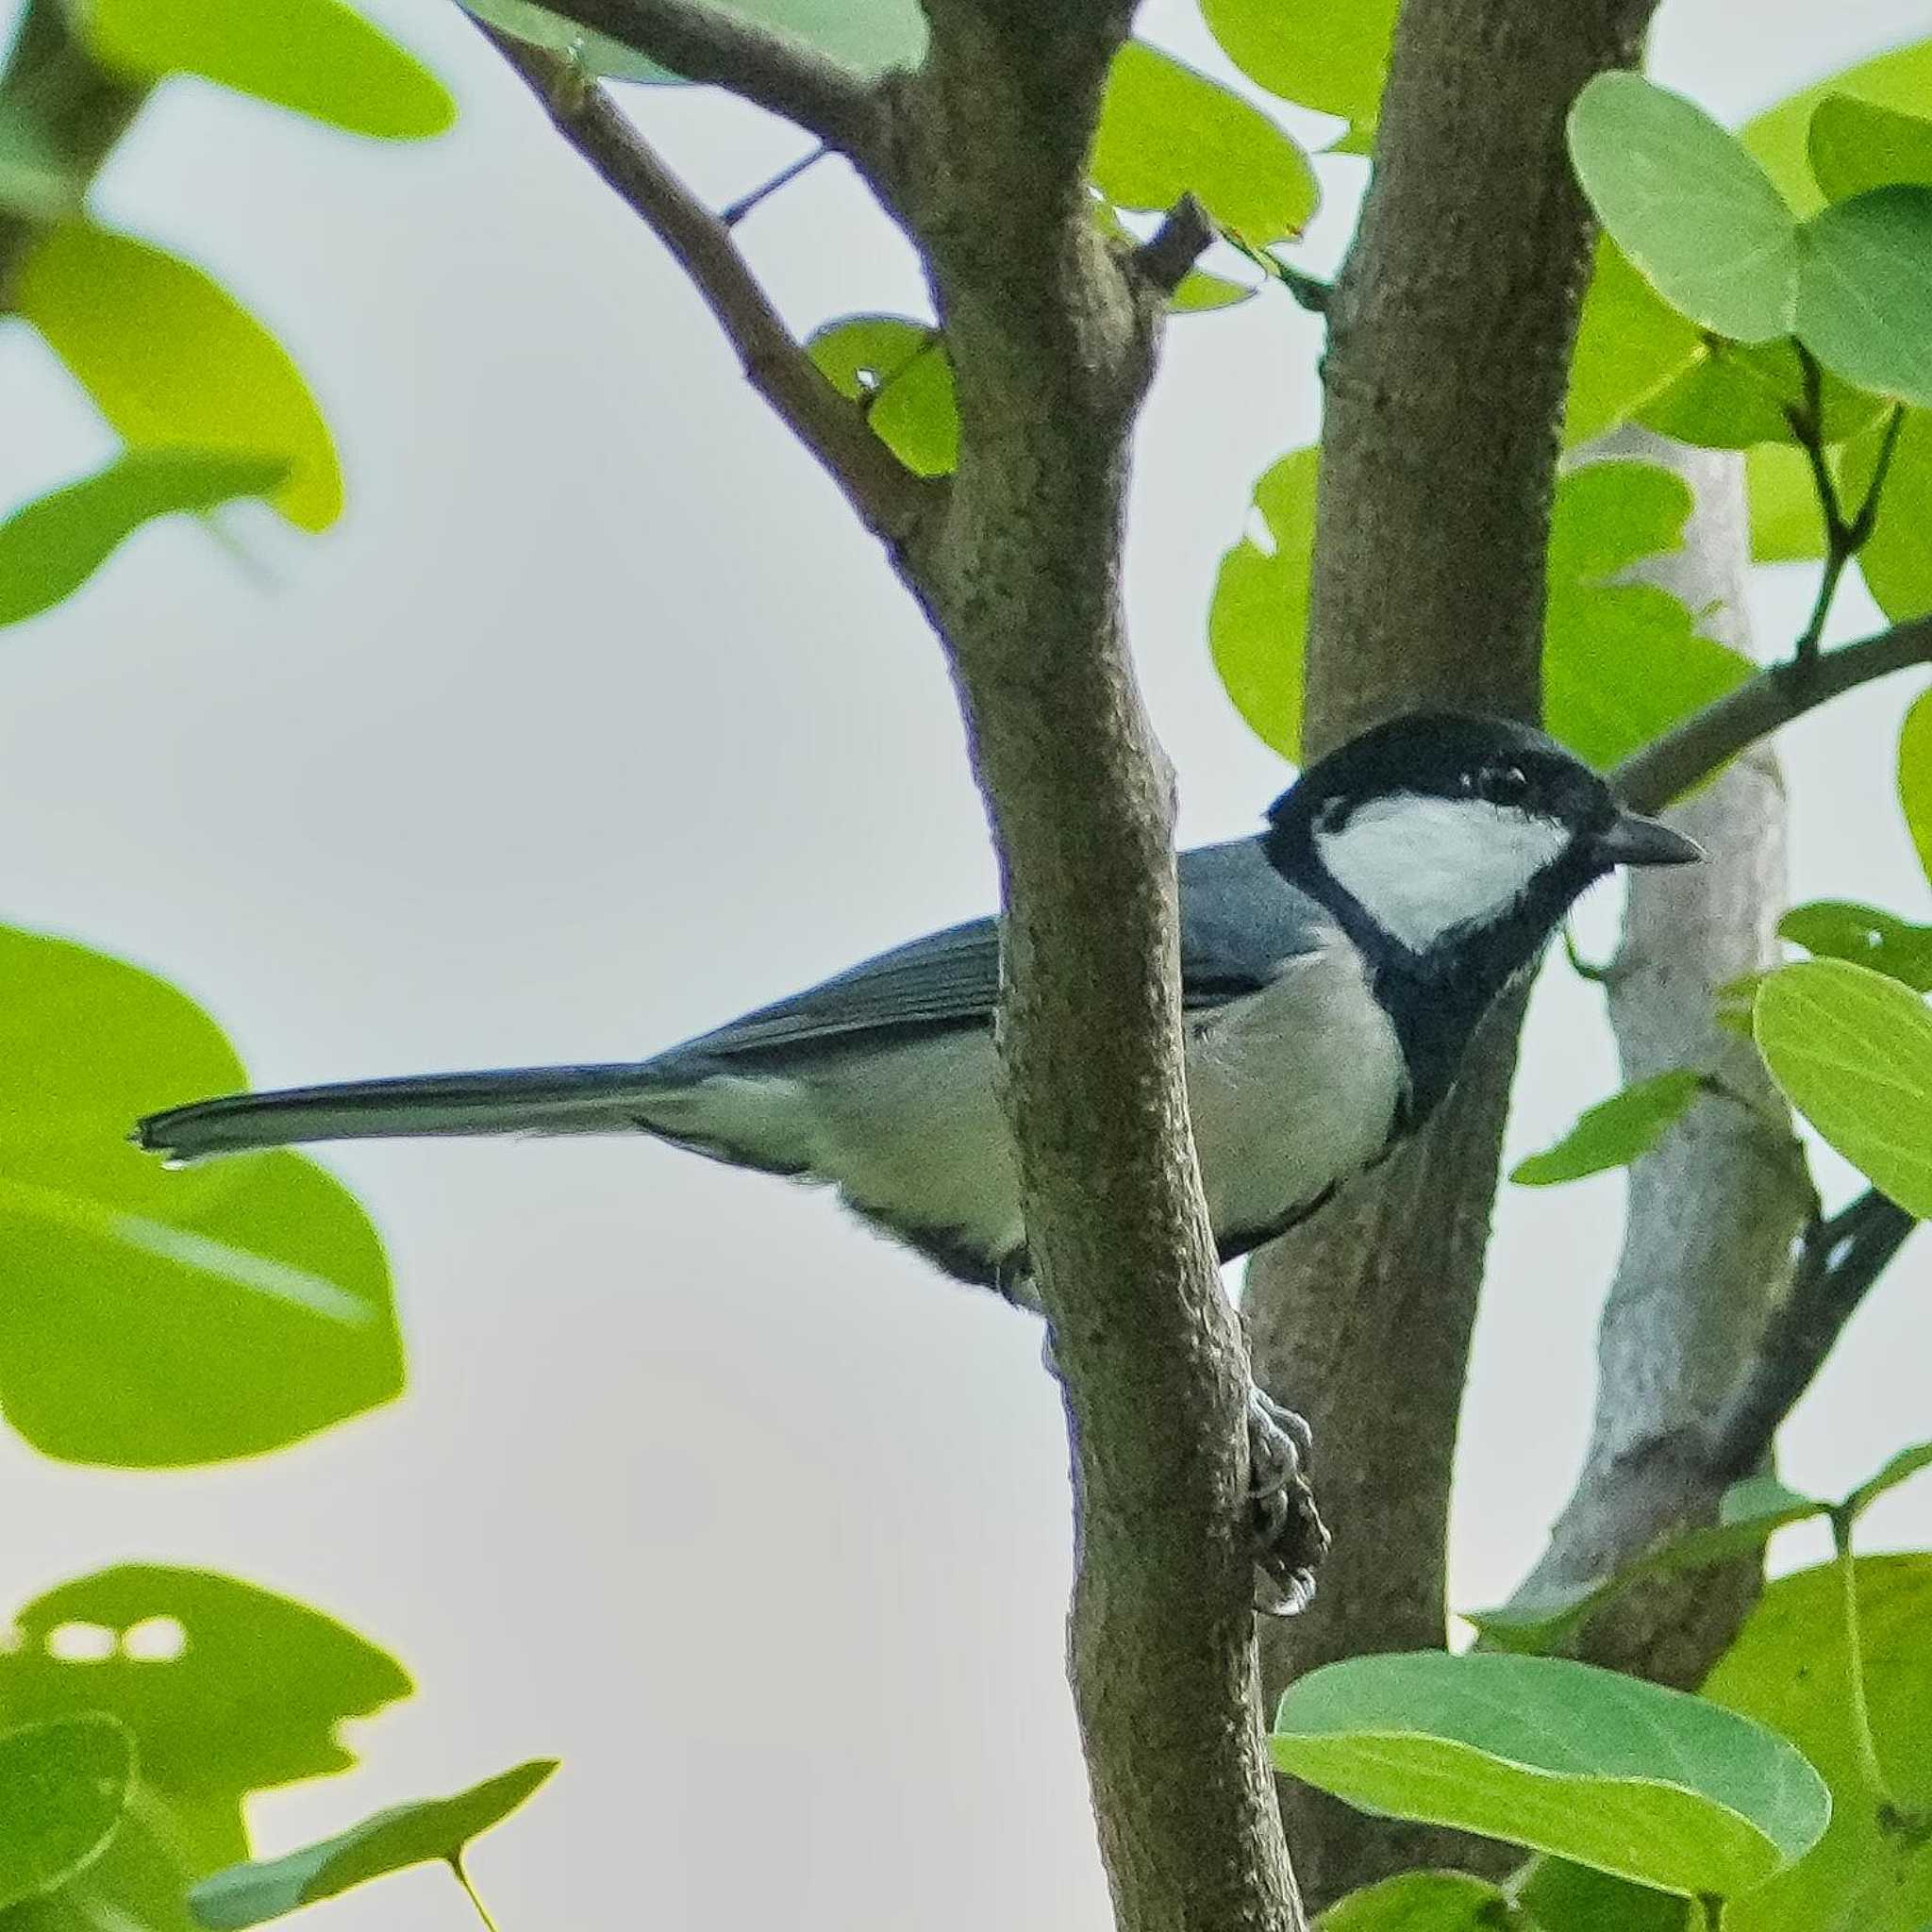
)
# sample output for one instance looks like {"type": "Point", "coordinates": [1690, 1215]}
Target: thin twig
{"type": "Point", "coordinates": [890, 500]}
{"type": "Point", "coordinates": [734, 212]}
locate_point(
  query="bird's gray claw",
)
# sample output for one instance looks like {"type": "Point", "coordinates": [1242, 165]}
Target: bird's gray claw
{"type": "Point", "coordinates": [1288, 1536]}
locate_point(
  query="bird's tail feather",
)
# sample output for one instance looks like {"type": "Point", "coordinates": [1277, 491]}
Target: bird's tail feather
{"type": "Point", "coordinates": [527, 1100]}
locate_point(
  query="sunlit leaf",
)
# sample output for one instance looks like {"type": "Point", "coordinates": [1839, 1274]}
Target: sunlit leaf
{"type": "Point", "coordinates": [50, 547]}
{"type": "Point", "coordinates": [1853, 1052]}
{"type": "Point", "coordinates": [1787, 524]}
{"type": "Point", "coordinates": [1424, 1901]}
{"type": "Point", "coordinates": [1864, 302]}
{"type": "Point", "coordinates": [391, 1841]}
{"type": "Point", "coordinates": [1630, 345]}
{"type": "Point", "coordinates": [1693, 210]}
{"type": "Point", "coordinates": [1901, 79]}
{"type": "Point", "coordinates": [1896, 560]}
{"type": "Point", "coordinates": [900, 371]}
{"type": "Point", "coordinates": [1615, 1132]}
{"type": "Point", "coordinates": [1915, 777]}
{"type": "Point", "coordinates": [1604, 1769]}
{"type": "Point", "coordinates": [174, 361]}
{"type": "Point", "coordinates": [1735, 394]}
{"type": "Point", "coordinates": [1258, 623]}
{"type": "Point", "coordinates": [1166, 131]}
{"type": "Point", "coordinates": [1845, 929]}
{"type": "Point", "coordinates": [63, 1787]}
{"type": "Point", "coordinates": [1328, 55]}
{"type": "Point", "coordinates": [317, 57]}
{"type": "Point", "coordinates": [1854, 146]}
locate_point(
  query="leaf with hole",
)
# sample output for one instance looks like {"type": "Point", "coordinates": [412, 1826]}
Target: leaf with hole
{"type": "Point", "coordinates": [174, 361]}
{"type": "Point", "coordinates": [899, 370]}
{"type": "Point", "coordinates": [1615, 1773]}
{"type": "Point", "coordinates": [1896, 560]}
{"type": "Point", "coordinates": [1780, 136]}
{"type": "Point", "coordinates": [391, 1841]}
{"type": "Point", "coordinates": [1258, 620]}
{"type": "Point", "coordinates": [1328, 55]}
{"type": "Point", "coordinates": [1854, 146]}
{"type": "Point", "coordinates": [318, 57]}
{"type": "Point", "coordinates": [1693, 210]}
{"type": "Point", "coordinates": [1614, 1132]}
{"type": "Point", "coordinates": [1845, 929]}
{"type": "Point", "coordinates": [63, 1787]}
{"type": "Point", "coordinates": [1864, 292]}
{"type": "Point", "coordinates": [1166, 131]}
{"type": "Point", "coordinates": [51, 547]}
{"type": "Point", "coordinates": [1852, 1051]}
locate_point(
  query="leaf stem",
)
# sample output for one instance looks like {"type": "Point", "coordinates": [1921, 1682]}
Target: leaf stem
{"type": "Point", "coordinates": [734, 212]}
{"type": "Point", "coordinates": [455, 1865]}
{"type": "Point", "coordinates": [1841, 1520]}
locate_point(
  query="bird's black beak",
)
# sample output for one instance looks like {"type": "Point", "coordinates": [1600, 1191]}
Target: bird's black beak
{"type": "Point", "coordinates": [1633, 840]}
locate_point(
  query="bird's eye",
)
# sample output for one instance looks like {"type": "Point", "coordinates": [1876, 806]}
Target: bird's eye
{"type": "Point", "coordinates": [1502, 784]}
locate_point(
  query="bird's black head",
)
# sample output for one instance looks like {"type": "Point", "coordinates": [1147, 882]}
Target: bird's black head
{"type": "Point", "coordinates": [1450, 846]}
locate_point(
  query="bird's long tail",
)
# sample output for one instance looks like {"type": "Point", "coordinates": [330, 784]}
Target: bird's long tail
{"type": "Point", "coordinates": [527, 1100]}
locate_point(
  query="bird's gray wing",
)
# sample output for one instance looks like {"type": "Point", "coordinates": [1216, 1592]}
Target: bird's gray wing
{"type": "Point", "coordinates": [1240, 921]}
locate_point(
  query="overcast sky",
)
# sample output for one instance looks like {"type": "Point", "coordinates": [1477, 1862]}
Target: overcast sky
{"type": "Point", "coordinates": [595, 722]}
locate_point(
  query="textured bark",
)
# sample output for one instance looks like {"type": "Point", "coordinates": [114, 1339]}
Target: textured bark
{"type": "Point", "coordinates": [1450, 332]}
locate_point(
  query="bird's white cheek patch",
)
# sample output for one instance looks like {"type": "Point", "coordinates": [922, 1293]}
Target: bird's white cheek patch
{"type": "Point", "coordinates": [1420, 866]}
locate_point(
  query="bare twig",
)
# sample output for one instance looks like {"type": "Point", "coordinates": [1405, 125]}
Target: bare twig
{"type": "Point", "coordinates": [890, 500]}
{"type": "Point", "coordinates": [770, 69]}
{"type": "Point", "coordinates": [734, 212]}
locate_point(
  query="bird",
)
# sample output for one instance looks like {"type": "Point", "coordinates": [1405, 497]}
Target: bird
{"type": "Point", "coordinates": [1334, 968]}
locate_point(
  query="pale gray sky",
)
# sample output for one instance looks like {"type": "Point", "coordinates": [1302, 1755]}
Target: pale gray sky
{"type": "Point", "coordinates": [596, 722]}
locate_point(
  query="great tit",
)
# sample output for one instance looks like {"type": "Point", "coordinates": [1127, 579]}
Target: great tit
{"type": "Point", "coordinates": [1333, 967]}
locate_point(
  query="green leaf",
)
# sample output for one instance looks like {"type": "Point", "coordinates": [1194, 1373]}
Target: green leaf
{"type": "Point", "coordinates": [1424, 1901]}
{"type": "Point", "coordinates": [1166, 131]}
{"type": "Point", "coordinates": [900, 370]}
{"type": "Point", "coordinates": [1854, 146]}
{"type": "Point", "coordinates": [1631, 346]}
{"type": "Point", "coordinates": [36, 180]}
{"type": "Point", "coordinates": [1873, 1870]}
{"type": "Point", "coordinates": [868, 35]}
{"type": "Point", "coordinates": [174, 361]}
{"type": "Point", "coordinates": [1614, 1132]}
{"type": "Point", "coordinates": [1779, 137]}
{"type": "Point", "coordinates": [1622, 662]}
{"type": "Point", "coordinates": [247, 1695]}
{"type": "Point", "coordinates": [1257, 623]}
{"type": "Point", "coordinates": [1562, 1897]}
{"type": "Point", "coordinates": [1852, 1051]}
{"type": "Point", "coordinates": [1864, 301]}
{"type": "Point", "coordinates": [391, 1841]}
{"type": "Point", "coordinates": [317, 57]}
{"type": "Point", "coordinates": [1900, 1468]}
{"type": "Point", "coordinates": [1201, 291]}
{"type": "Point", "coordinates": [1896, 559]}
{"type": "Point", "coordinates": [1328, 55]}
{"type": "Point", "coordinates": [149, 1318]}
{"type": "Point", "coordinates": [1845, 929]}
{"type": "Point", "coordinates": [1736, 394]}
{"type": "Point", "coordinates": [1693, 211]}
{"type": "Point", "coordinates": [50, 547]}
{"type": "Point", "coordinates": [63, 1787]}
{"type": "Point", "coordinates": [1915, 778]}
{"type": "Point", "coordinates": [1616, 1773]}
{"type": "Point", "coordinates": [1787, 525]}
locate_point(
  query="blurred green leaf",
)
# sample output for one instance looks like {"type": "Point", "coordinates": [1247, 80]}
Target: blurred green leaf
{"type": "Point", "coordinates": [1328, 55]}
{"type": "Point", "coordinates": [1166, 131]}
{"type": "Point", "coordinates": [316, 57]}
{"type": "Point", "coordinates": [1787, 524]}
{"type": "Point", "coordinates": [174, 361]}
{"type": "Point", "coordinates": [1787, 1669]}
{"type": "Point", "coordinates": [1854, 146]}
{"type": "Point", "coordinates": [1900, 1469]}
{"type": "Point", "coordinates": [1864, 300]}
{"type": "Point", "coordinates": [1614, 1132]}
{"type": "Point", "coordinates": [1845, 929]}
{"type": "Point", "coordinates": [1425, 1901]}
{"type": "Point", "coordinates": [900, 370]}
{"type": "Point", "coordinates": [1561, 1897]}
{"type": "Point", "coordinates": [1257, 623]}
{"type": "Point", "coordinates": [1693, 210]}
{"type": "Point", "coordinates": [1779, 137]}
{"type": "Point", "coordinates": [50, 547]}
{"type": "Point", "coordinates": [63, 1787]}
{"type": "Point", "coordinates": [391, 1841]}
{"type": "Point", "coordinates": [1630, 345]}
{"type": "Point", "coordinates": [1610, 515]}
{"type": "Point", "coordinates": [1896, 559]}
{"type": "Point", "coordinates": [149, 1318]}
{"type": "Point", "coordinates": [1616, 1773]}
{"type": "Point", "coordinates": [35, 181]}
{"type": "Point", "coordinates": [244, 1693]}
{"type": "Point", "coordinates": [1852, 1051]}
{"type": "Point", "coordinates": [1915, 777]}
{"type": "Point", "coordinates": [1736, 394]}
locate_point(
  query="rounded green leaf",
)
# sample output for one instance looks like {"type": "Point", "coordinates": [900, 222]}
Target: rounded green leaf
{"type": "Point", "coordinates": [1631, 346]}
{"type": "Point", "coordinates": [1422, 1902]}
{"type": "Point", "coordinates": [1257, 623]}
{"type": "Point", "coordinates": [50, 547]}
{"type": "Point", "coordinates": [1896, 559]}
{"type": "Point", "coordinates": [1166, 131]}
{"type": "Point", "coordinates": [1779, 137]}
{"type": "Point", "coordinates": [1612, 1772]}
{"type": "Point", "coordinates": [1864, 292]}
{"type": "Point", "coordinates": [1845, 929]}
{"type": "Point", "coordinates": [1787, 525]}
{"type": "Point", "coordinates": [1854, 145]}
{"type": "Point", "coordinates": [1614, 1132]}
{"type": "Point", "coordinates": [1852, 1050]}
{"type": "Point", "coordinates": [1328, 55]}
{"type": "Point", "coordinates": [172, 361]}
{"type": "Point", "coordinates": [391, 1841]}
{"type": "Point", "coordinates": [900, 371]}
{"type": "Point", "coordinates": [1687, 205]}
{"type": "Point", "coordinates": [1915, 776]}
{"type": "Point", "coordinates": [63, 1787]}
{"type": "Point", "coordinates": [317, 57]}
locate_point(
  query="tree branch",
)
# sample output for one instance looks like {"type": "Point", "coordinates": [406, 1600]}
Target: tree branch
{"type": "Point", "coordinates": [890, 500]}
{"type": "Point", "coordinates": [1690, 752]}
{"type": "Point", "coordinates": [771, 69]}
